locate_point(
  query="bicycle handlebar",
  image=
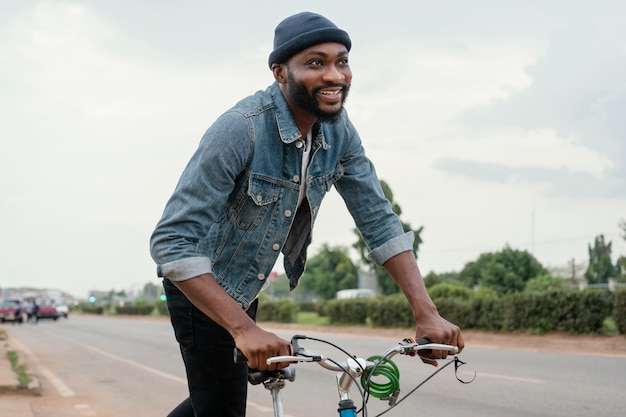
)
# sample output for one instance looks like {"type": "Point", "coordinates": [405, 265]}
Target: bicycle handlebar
{"type": "Point", "coordinates": [352, 370]}
{"type": "Point", "coordinates": [409, 347]}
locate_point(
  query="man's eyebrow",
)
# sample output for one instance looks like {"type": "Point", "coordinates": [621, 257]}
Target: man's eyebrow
{"type": "Point", "coordinates": [324, 54]}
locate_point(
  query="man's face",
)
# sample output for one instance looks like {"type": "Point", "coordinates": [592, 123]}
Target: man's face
{"type": "Point", "coordinates": [318, 80]}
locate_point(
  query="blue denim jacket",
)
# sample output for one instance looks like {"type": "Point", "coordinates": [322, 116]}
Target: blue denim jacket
{"type": "Point", "coordinates": [234, 208]}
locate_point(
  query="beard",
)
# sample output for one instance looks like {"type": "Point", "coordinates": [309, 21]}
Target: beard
{"type": "Point", "coordinates": [301, 97]}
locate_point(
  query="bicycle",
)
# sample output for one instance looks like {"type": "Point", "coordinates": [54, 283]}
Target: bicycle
{"type": "Point", "coordinates": [353, 371]}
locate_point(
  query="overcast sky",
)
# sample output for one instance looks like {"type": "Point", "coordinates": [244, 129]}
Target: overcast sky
{"type": "Point", "coordinates": [494, 123]}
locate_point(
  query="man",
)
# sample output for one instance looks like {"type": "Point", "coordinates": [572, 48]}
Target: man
{"type": "Point", "coordinates": [253, 189]}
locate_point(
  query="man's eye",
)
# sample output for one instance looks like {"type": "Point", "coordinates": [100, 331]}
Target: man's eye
{"type": "Point", "coordinates": [315, 62]}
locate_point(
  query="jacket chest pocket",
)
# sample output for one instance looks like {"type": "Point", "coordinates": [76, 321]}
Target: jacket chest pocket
{"type": "Point", "coordinates": [260, 198]}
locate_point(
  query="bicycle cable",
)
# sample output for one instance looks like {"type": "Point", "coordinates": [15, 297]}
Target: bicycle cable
{"type": "Point", "coordinates": [362, 392]}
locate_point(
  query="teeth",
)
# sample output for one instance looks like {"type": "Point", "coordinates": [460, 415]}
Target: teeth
{"type": "Point", "coordinates": [330, 93]}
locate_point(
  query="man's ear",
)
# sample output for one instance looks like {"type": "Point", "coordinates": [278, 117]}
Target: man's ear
{"type": "Point", "coordinates": [280, 73]}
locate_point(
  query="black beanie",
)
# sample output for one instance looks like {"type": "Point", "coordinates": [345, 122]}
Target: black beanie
{"type": "Point", "coordinates": [302, 30]}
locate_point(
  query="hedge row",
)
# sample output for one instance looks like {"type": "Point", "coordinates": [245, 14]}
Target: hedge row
{"type": "Point", "coordinates": [282, 311]}
{"type": "Point", "coordinates": [619, 310]}
{"type": "Point", "coordinates": [580, 312]}
{"type": "Point", "coordinates": [575, 312]}
{"type": "Point", "coordinates": [135, 310]}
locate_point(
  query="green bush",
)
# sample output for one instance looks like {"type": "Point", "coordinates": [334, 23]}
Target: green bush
{"type": "Point", "coordinates": [308, 306]}
{"type": "Point", "coordinates": [456, 310]}
{"type": "Point", "coordinates": [577, 312]}
{"type": "Point", "coordinates": [391, 311]}
{"type": "Point", "coordinates": [447, 290]}
{"type": "Point", "coordinates": [91, 308]}
{"type": "Point", "coordinates": [135, 310]}
{"type": "Point", "coordinates": [281, 311]}
{"type": "Point", "coordinates": [332, 311]}
{"type": "Point", "coordinates": [487, 313]}
{"type": "Point", "coordinates": [351, 311]}
{"type": "Point", "coordinates": [619, 310]}
{"type": "Point", "coordinates": [161, 307]}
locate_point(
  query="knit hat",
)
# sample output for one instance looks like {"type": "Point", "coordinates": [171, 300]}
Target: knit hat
{"type": "Point", "coordinates": [302, 30]}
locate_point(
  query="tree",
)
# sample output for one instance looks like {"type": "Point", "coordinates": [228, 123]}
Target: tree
{"type": "Point", "coordinates": [327, 272]}
{"type": "Point", "coordinates": [386, 284]}
{"type": "Point", "coordinates": [150, 292]}
{"type": "Point", "coordinates": [505, 272]}
{"type": "Point", "coordinates": [600, 267]}
{"type": "Point", "coordinates": [545, 283]}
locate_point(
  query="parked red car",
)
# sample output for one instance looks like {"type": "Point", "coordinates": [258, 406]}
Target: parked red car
{"type": "Point", "coordinates": [11, 310]}
{"type": "Point", "coordinates": [47, 311]}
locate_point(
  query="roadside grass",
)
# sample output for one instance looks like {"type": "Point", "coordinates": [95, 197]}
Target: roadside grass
{"type": "Point", "coordinates": [311, 318]}
{"type": "Point", "coordinates": [609, 328]}
{"type": "Point", "coordinates": [23, 377]}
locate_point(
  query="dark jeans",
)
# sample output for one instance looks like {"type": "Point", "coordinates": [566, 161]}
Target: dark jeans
{"type": "Point", "coordinates": [218, 387]}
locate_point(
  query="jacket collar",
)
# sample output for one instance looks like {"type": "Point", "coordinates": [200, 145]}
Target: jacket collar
{"type": "Point", "coordinates": [284, 119]}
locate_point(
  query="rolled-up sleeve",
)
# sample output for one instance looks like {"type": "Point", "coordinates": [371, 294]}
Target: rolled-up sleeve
{"type": "Point", "coordinates": [391, 248]}
{"type": "Point", "coordinates": [185, 268]}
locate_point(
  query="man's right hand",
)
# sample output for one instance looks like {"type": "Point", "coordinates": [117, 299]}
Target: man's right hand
{"type": "Point", "coordinates": [255, 343]}
{"type": "Point", "coordinates": [258, 345]}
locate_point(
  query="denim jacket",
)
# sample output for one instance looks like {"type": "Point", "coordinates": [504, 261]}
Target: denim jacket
{"type": "Point", "coordinates": [234, 208]}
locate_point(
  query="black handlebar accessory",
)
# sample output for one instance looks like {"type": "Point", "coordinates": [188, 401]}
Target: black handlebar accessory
{"type": "Point", "coordinates": [239, 357]}
{"type": "Point", "coordinates": [420, 341]}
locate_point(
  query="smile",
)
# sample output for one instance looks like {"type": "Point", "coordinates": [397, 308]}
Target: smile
{"type": "Point", "coordinates": [330, 93]}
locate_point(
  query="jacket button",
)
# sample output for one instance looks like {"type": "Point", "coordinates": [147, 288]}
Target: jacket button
{"type": "Point", "coordinates": [261, 277]}
{"type": "Point", "coordinates": [296, 178]}
{"type": "Point", "coordinates": [275, 246]}
{"type": "Point", "coordinates": [287, 213]}
{"type": "Point", "coordinates": [299, 144]}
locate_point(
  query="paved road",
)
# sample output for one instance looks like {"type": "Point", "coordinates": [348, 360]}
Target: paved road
{"type": "Point", "coordinates": [101, 367]}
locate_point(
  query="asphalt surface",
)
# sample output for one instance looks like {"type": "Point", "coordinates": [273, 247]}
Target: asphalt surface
{"type": "Point", "coordinates": [18, 401]}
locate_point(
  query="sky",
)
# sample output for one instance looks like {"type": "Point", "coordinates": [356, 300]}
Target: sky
{"type": "Point", "coordinates": [494, 123]}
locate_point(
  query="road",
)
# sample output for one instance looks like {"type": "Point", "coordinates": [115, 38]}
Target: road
{"type": "Point", "coordinates": [103, 366]}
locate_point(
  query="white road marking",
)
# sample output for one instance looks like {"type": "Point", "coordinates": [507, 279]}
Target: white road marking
{"type": "Point", "coordinates": [511, 378]}
{"type": "Point", "coordinates": [124, 360]}
{"type": "Point", "coordinates": [60, 386]}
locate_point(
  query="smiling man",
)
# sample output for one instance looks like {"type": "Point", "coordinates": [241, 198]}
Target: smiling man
{"type": "Point", "coordinates": [253, 190]}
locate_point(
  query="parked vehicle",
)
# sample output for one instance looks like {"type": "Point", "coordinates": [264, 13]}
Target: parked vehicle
{"type": "Point", "coordinates": [354, 293]}
{"type": "Point", "coordinates": [11, 310]}
{"type": "Point", "coordinates": [47, 311]}
{"type": "Point", "coordinates": [63, 311]}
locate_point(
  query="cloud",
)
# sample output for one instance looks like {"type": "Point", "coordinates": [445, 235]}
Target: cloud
{"type": "Point", "coordinates": [578, 92]}
{"type": "Point", "coordinates": [421, 89]}
{"type": "Point", "coordinates": [555, 182]}
{"type": "Point", "coordinates": [466, 118]}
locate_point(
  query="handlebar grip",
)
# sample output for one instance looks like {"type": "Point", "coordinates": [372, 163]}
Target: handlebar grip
{"type": "Point", "coordinates": [238, 356]}
{"type": "Point", "coordinates": [422, 341]}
